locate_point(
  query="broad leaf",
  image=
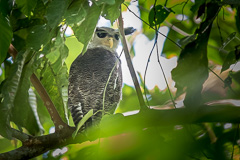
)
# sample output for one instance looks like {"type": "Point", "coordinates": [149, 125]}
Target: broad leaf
{"type": "Point", "coordinates": [84, 31]}
{"type": "Point", "coordinates": [55, 12]}
{"type": "Point", "coordinates": [158, 14]}
{"type": "Point", "coordinates": [100, 2]}
{"type": "Point", "coordinates": [9, 91]}
{"type": "Point", "coordinates": [56, 70]}
{"type": "Point", "coordinates": [112, 12]}
{"type": "Point", "coordinates": [76, 12]}
{"type": "Point", "coordinates": [237, 17]}
{"type": "Point", "coordinates": [197, 5]}
{"type": "Point", "coordinates": [5, 38]}
{"type": "Point", "coordinates": [230, 59]}
{"type": "Point", "coordinates": [26, 6]}
{"type": "Point", "coordinates": [82, 121]}
{"type": "Point", "coordinates": [24, 112]}
{"type": "Point", "coordinates": [39, 35]}
{"type": "Point", "coordinates": [192, 69]}
{"type": "Point", "coordinates": [228, 40]}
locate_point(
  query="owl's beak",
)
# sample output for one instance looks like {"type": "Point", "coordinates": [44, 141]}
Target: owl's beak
{"type": "Point", "coordinates": [110, 41]}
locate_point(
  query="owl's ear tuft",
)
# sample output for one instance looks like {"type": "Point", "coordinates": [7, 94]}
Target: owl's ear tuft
{"type": "Point", "coordinates": [129, 30]}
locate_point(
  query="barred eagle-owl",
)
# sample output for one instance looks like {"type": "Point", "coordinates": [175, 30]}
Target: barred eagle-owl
{"type": "Point", "coordinates": [89, 74]}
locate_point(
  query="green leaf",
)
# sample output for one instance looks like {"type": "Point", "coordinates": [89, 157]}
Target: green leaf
{"type": "Point", "coordinates": [5, 7]}
{"type": "Point", "coordinates": [75, 48]}
{"type": "Point", "coordinates": [24, 112]}
{"type": "Point", "coordinates": [235, 76]}
{"type": "Point", "coordinates": [100, 2]}
{"type": "Point", "coordinates": [192, 70]}
{"type": "Point", "coordinates": [55, 12]}
{"type": "Point", "coordinates": [82, 121]}
{"type": "Point", "coordinates": [230, 59]}
{"type": "Point", "coordinates": [9, 91]}
{"type": "Point", "coordinates": [84, 31]}
{"type": "Point", "coordinates": [196, 5]}
{"type": "Point", "coordinates": [5, 38]}
{"type": "Point", "coordinates": [39, 35]}
{"type": "Point", "coordinates": [107, 121]}
{"type": "Point", "coordinates": [158, 14]}
{"type": "Point", "coordinates": [112, 12]}
{"type": "Point", "coordinates": [237, 18]}
{"type": "Point", "coordinates": [228, 40]}
{"type": "Point", "coordinates": [26, 6]}
{"type": "Point", "coordinates": [56, 88]}
{"type": "Point", "coordinates": [33, 104]}
{"type": "Point", "coordinates": [56, 70]}
{"type": "Point", "coordinates": [76, 12]}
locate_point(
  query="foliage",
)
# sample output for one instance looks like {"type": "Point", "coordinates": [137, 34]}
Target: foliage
{"type": "Point", "coordinates": [205, 37]}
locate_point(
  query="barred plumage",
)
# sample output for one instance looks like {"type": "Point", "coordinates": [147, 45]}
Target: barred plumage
{"type": "Point", "coordinates": [89, 74]}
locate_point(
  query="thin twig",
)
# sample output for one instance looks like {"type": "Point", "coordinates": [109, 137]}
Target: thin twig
{"type": "Point", "coordinates": [165, 79]}
{"type": "Point", "coordinates": [130, 65]}
{"type": "Point", "coordinates": [148, 61]}
{"type": "Point", "coordinates": [151, 26]}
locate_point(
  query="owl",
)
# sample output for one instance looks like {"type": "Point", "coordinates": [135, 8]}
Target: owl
{"type": "Point", "coordinates": [92, 72]}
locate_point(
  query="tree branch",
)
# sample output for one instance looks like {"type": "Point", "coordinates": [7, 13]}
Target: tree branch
{"type": "Point", "coordinates": [130, 65]}
{"type": "Point", "coordinates": [20, 135]}
{"type": "Point", "coordinates": [57, 120]}
{"type": "Point", "coordinates": [150, 118]}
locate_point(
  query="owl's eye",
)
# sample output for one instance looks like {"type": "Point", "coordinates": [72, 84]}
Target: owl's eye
{"type": "Point", "coordinates": [101, 34]}
{"type": "Point", "coordinates": [116, 36]}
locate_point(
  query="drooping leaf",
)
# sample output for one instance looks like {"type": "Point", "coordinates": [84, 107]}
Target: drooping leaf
{"type": "Point", "coordinates": [5, 7]}
{"type": "Point", "coordinates": [201, 10]}
{"type": "Point", "coordinates": [76, 12]}
{"type": "Point", "coordinates": [39, 35]}
{"type": "Point", "coordinates": [104, 2]}
{"type": "Point", "coordinates": [228, 40]}
{"type": "Point", "coordinates": [236, 77]}
{"type": "Point", "coordinates": [24, 112]}
{"type": "Point", "coordinates": [237, 17]}
{"type": "Point", "coordinates": [9, 91]}
{"type": "Point", "coordinates": [230, 59]}
{"type": "Point", "coordinates": [112, 11]}
{"type": "Point", "coordinates": [84, 31]}
{"type": "Point", "coordinates": [197, 5]}
{"type": "Point", "coordinates": [158, 14]}
{"type": "Point", "coordinates": [56, 70]}
{"type": "Point", "coordinates": [82, 121]}
{"type": "Point", "coordinates": [26, 6]}
{"type": "Point", "coordinates": [192, 69]}
{"type": "Point", "coordinates": [55, 12]}
{"type": "Point", "coordinates": [5, 38]}
{"type": "Point", "coordinates": [40, 11]}
{"type": "Point", "coordinates": [53, 83]}
{"type": "Point", "coordinates": [33, 105]}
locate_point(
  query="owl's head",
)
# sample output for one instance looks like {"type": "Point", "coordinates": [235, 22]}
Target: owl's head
{"type": "Point", "coordinates": [108, 37]}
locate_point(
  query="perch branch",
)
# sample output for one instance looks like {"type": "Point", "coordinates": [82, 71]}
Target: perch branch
{"type": "Point", "coordinates": [57, 120]}
{"type": "Point", "coordinates": [130, 65]}
{"type": "Point", "coordinates": [150, 118]}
